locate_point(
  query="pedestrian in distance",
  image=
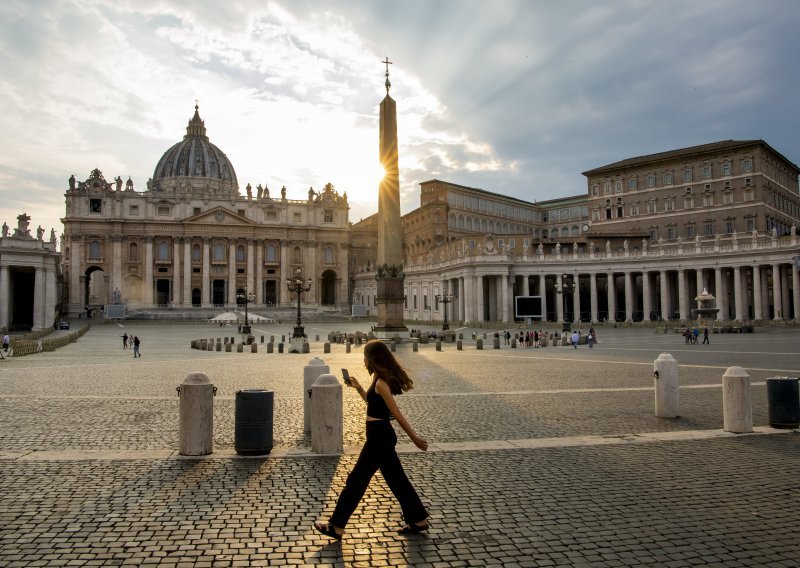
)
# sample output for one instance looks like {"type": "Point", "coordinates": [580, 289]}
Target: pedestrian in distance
{"type": "Point", "coordinates": [705, 336]}
{"type": "Point", "coordinates": [6, 342]}
{"type": "Point", "coordinates": [389, 379]}
{"type": "Point", "coordinates": [125, 340]}
{"type": "Point", "coordinates": [575, 339]}
{"type": "Point", "coordinates": [136, 344]}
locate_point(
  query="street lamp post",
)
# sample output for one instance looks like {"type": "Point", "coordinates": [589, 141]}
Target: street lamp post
{"type": "Point", "coordinates": [297, 285]}
{"type": "Point", "coordinates": [567, 287]}
{"type": "Point", "coordinates": [444, 299]}
{"type": "Point", "coordinates": [245, 298]}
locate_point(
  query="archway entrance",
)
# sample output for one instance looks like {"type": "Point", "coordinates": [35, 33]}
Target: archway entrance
{"type": "Point", "coordinates": [162, 292]}
{"type": "Point", "coordinates": [328, 289]}
{"type": "Point", "coordinates": [270, 292]}
{"type": "Point", "coordinates": [95, 294]}
{"type": "Point", "coordinates": [21, 283]}
{"type": "Point", "coordinates": [218, 292]}
{"type": "Point", "coordinates": [196, 294]}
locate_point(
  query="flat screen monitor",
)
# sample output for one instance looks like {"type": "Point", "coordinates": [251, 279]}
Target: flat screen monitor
{"type": "Point", "coordinates": [528, 307]}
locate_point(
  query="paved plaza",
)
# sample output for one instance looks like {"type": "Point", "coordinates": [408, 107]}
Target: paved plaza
{"type": "Point", "coordinates": [538, 457]}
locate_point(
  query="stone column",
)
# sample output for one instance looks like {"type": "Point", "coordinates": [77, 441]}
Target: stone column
{"type": "Point", "coordinates": [543, 293]}
{"type": "Point", "coordinates": [50, 301]}
{"type": "Point", "coordinates": [647, 294]}
{"type": "Point", "coordinates": [737, 293]}
{"type": "Point", "coordinates": [628, 296]}
{"type": "Point", "coordinates": [611, 289]}
{"type": "Point", "coordinates": [757, 303]}
{"type": "Point", "coordinates": [776, 292]}
{"type": "Point", "coordinates": [593, 296]}
{"type": "Point", "coordinates": [176, 271]}
{"type": "Point", "coordinates": [785, 294]}
{"type": "Point", "coordinates": [721, 315]}
{"type": "Point", "coordinates": [284, 297]}
{"type": "Point", "coordinates": [479, 298]}
{"type": "Point", "coordinates": [700, 282]}
{"type": "Point", "coordinates": [205, 300]}
{"type": "Point", "coordinates": [576, 300]}
{"type": "Point", "coordinates": [468, 299]}
{"type": "Point", "coordinates": [560, 299]}
{"type": "Point", "coordinates": [343, 263]}
{"type": "Point", "coordinates": [76, 291]}
{"type": "Point", "coordinates": [116, 263]}
{"type": "Point", "coordinates": [259, 283]}
{"type": "Point", "coordinates": [663, 283]}
{"type": "Point", "coordinates": [765, 294]}
{"type": "Point", "coordinates": [682, 299]}
{"type": "Point", "coordinates": [187, 272]}
{"type": "Point", "coordinates": [148, 272]}
{"type": "Point", "coordinates": [504, 284]}
{"type": "Point", "coordinates": [251, 272]}
{"type": "Point", "coordinates": [526, 285]}
{"type": "Point", "coordinates": [4, 296]}
{"type": "Point", "coordinates": [38, 300]}
{"type": "Point", "coordinates": [795, 290]}
{"type": "Point", "coordinates": [231, 272]}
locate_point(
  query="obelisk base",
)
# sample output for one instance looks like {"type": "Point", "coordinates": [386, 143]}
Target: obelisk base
{"type": "Point", "coordinates": [390, 300]}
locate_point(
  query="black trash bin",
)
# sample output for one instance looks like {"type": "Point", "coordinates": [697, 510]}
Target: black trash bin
{"type": "Point", "coordinates": [783, 397]}
{"type": "Point", "coordinates": [253, 430]}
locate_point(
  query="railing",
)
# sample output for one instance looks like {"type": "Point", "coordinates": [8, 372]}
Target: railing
{"type": "Point", "coordinates": [22, 347]}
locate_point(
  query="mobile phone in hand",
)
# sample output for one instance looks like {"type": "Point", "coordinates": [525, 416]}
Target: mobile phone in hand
{"type": "Point", "coordinates": [346, 377]}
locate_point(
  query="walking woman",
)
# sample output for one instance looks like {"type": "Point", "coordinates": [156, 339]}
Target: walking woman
{"type": "Point", "coordinates": [389, 379]}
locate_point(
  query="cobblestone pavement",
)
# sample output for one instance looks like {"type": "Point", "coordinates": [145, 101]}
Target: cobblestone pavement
{"type": "Point", "coordinates": [535, 458]}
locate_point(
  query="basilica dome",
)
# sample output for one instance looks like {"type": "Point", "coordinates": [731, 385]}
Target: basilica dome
{"type": "Point", "coordinates": [196, 163]}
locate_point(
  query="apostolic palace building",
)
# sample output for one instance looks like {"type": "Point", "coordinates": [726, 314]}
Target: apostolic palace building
{"type": "Point", "coordinates": [646, 238]}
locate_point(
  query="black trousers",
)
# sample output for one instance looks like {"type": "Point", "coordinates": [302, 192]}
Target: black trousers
{"type": "Point", "coordinates": [378, 453]}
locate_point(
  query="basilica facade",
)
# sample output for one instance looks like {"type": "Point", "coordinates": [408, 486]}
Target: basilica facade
{"type": "Point", "coordinates": [191, 240]}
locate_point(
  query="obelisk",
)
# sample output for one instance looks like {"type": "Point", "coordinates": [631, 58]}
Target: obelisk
{"type": "Point", "coordinates": [389, 275]}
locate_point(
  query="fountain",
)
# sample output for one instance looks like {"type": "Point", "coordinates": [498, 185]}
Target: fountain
{"type": "Point", "coordinates": [706, 311]}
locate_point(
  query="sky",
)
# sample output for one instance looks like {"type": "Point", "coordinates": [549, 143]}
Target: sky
{"type": "Point", "coordinates": [513, 97]}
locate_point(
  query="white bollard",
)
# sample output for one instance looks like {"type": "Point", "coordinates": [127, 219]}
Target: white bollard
{"type": "Point", "coordinates": [737, 403]}
{"type": "Point", "coordinates": [196, 424]}
{"type": "Point", "coordinates": [311, 373]}
{"type": "Point", "coordinates": [665, 376]}
{"type": "Point", "coordinates": [327, 432]}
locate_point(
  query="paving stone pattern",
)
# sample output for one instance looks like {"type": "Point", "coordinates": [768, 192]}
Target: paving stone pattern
{"type": "Point", "coordinates": [729, 501]}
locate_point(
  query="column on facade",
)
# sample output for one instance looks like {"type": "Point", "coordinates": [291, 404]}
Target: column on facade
{"type": "Point", "coordinates": [4, 296]}
{"type": "Point", "coordinates": [504, 284]}
{"type": "Point", "coordinates": [718, 292]}
{"type": "Point", "coordinates": [776, 292]}
{"type": "Point", "coordinates": [758, 305]}
{"type": "Point", "coordinates": [284, 297]}
{"type": "Point", "coordinates": [700, 282]}
{"type": "Point", "coordinates": [76, 291]}
{"type": "Point", "coordinates": [786, 308]}
{"type": "Point", "coordinates": [176, 271]}
{"type": "Point", "coordinates": [576, 300]}
{"type": "Point", "coordinates": [682, 295]}
{"type": "Point", "coordinates": [50, 299]}
{"type": "Point", "coordinates": [187, 272]}
{"type": "Point", "coordinates": [795, 290]}
{"type": "Point", "coordinates": [765, 293]}
{"type": "Point", "coordinates": [628, 296]}
{"type": "Point", "coordinates": [560, 298]}
{"type": "Point", "coordinates": [526, 285]}
{"type": "Point", "coordinates": [543, 294]}
{"type": "Point", "coordinates": [479, 298]}
{"type": "Point", "coordinates": [251, 270]}
{"type": "Point", "coordinates": [343, 261]}
{"type": "Point", "coordinates": [611, 289]}
{"type": "Point", "coordinates": [205, 300]}
{"type": "Point", "coordinates": [593, 296]}
{"type": "Point", "coordinates": [664, 292]}
{"type": "Point", "coordinates": [469, 299]}
{"type": "Point", "coordinates": [38, 300]}
{"type": "Point", "coordinates": [314, 295]}
{"type": "Point", "coordinates": [259, 281]}
{"type": "Point", "coordinates": [231, 272]}
{"type": "Point", "coordinates": [116, 263]}
{"type": "Point", "coordinates": [148, 271]}
{"type": "Point", "coordinates": [737, 294]}
{"type": "Point", "coordinates": [647, 296]}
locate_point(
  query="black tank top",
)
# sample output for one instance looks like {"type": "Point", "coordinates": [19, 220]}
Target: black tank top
{"type": "Point", "coordinates": [376, 406]}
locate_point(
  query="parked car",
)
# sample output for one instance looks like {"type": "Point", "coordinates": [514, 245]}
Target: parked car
{"type": "Point", "coordinates": [63, 324]}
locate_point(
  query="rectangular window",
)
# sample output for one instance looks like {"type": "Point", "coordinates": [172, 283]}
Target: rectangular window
{"type": "Point", "coordinates": [708, 229]}
{"type": "Point", "coordinates": [747, 166]}
{"type": "Point", "coordinates": [725, 169]}
{"type": "Point", "coordinates": [653, 234]}
{"type": "Point", "coordinates": [706, 171]}
{"type": "Point", "coordinates": [632, 183]}
{"type": "Point", "coordinates": [651, 206]}
{"type": "Point", "coordinates": [688, 202]}
{"type": "Point", "coordinates": [750, 224]}
{"type": "Point", "coordinates": [687, 175]}
{"type": "Point", "coordinates": [670, 233]}
{"type": "Point", "coordinates": [606, 187]}
{"type": "Point", "coordinates": [618, 186]}
{"type": "Point", "coordinates": [595, 214]}
{"type": "Point", "coordinates": [163, 210]}
{"type": "Point", "coordinates": [651, 180]}
{"type": "Point", "coordinates": [748, 181]}
{"type": "Point", "coordinates": [329, 216]}
{"type": "Point", "coordinates": [95, 205]}
{"type": "Point", "coordinates": [240, 212]}
{"type": "Point", "coordinates": [667, 178]}
{"type": "Point", "coordinates": [669, 204]}
{"type": "Point", "coordinates": [472, 244]}
{"type": "Point", "coordinates": [727, 198]}
{"type": "Point", "coordinates": [133, 210]}
{"type": "Point", "coordinates": [608, 213]}
{"type": "Point", "coordinates": [594, 190]}
{"type": "Point", "coordinates": [196, 211]}
{"type": "Point", "coordinates": [749, 194]}
{"type": "Point", "coordinates": [728, 227]}
{"type": "Point", "coordinates": [708, 199]}
{"type": "Point", "coordinates": [619, 212]}
{"type": "Point", "coordinates": [690, 231]}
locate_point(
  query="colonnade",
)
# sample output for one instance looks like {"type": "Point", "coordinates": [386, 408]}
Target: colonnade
{"type": "Point", "coordinates": [757, 291]}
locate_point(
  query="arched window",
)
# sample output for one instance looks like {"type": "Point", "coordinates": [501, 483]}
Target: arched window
{"type": "Point", "coordinates": [564, 232]}
{"type": "Point", "coordinates": [240, 255]}
{"type": "Point", "coordinates": [328, 255]}
{"type": "Point", "coordinates": [163, 251]}
{"type": "Point", "coordinates": [270, 253]}
{"type": "Point", "coordinates": [575, 231]}
{"type": "Point", "coordinates": [197, 254]}
{"type": "Point", "coordinates": [219, 251]}
{"type": "Point", "coordinates": [460, 222]}
{"type": "Point", "coordinates": [544, 233]}
{"type": "Point", "coordinates": [469, 223]}
{"type": "Point", "coordinates": [94, 249]}
{"type": "Point", "coordinates": [133, 251]}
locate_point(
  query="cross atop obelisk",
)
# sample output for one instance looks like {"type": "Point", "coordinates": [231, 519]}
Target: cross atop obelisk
{"type": "Point", "coordinates": [388, 84]}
